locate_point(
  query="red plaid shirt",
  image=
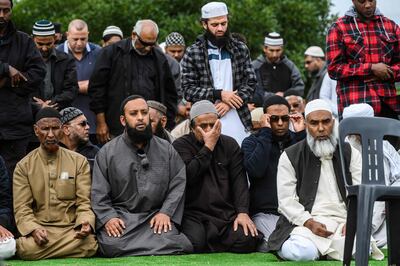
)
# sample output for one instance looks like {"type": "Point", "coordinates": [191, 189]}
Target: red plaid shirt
{"type": "Point", "coordinates": [353, 45]}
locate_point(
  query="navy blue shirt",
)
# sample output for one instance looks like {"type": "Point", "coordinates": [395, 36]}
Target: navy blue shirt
{"type": "Point", "coordinates": [84, 69]}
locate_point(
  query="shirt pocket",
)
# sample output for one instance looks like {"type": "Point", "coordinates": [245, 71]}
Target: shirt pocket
{"type": "Point", "coordinates": [65, 189]}
{"type": "Point", "coordinates": [387, 45]}
{"type": "Point", "coordinates": [354, 46]}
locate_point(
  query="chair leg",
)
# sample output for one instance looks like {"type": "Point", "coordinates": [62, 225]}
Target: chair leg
{"type": "Point", "coordinates": [393, 231]}
{"type": "Point", "coordinates": [365, 204]}
{"type": "Point", "coordinates": [350, 230]}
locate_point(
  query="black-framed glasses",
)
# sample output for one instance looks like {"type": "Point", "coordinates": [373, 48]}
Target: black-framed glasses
{"type": "Point", "coordinates": [146, 44]}
{"type": "Point", "coordinates": [276, 118]}
{"type": "Point", "coordinates": [144, 162]}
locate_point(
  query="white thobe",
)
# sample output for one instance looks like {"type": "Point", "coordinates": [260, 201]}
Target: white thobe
{"type": "Point", "coordinates": [221, 71]}
{"type": "Point", "coordinates": [329, 208]}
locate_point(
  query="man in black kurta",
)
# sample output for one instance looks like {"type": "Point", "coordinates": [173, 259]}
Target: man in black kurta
{"type": "Point", "coordinates": [217, 196]}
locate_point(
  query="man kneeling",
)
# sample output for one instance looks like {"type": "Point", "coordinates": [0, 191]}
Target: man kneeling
{"type": "Point", "coordinates": [52, 197]}
{"type": "Point", "coordinates": [137, 191]}
{"type": "Point", "coordinates": [312, 193]}
{"type": "Point", "coordinates": [217, 197]}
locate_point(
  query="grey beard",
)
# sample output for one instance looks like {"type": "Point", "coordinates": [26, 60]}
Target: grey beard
{"type": "Point", "coordinates": [322, 148]}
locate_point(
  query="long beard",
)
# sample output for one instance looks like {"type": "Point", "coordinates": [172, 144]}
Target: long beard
{"type": "Point", "coordinates": [322, 148]}
{"type": "Point", "coordinates": [3, 24]}
{"type": "Point", "coordinates": [221, 41]}
{"type": "Point", "coordinates": [137, 136]}
{"type": "Point", "coordinates": [160, 131]}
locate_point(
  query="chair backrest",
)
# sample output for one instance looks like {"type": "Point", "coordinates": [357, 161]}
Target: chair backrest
{"type": "Point", "coordinates": [372, 130]}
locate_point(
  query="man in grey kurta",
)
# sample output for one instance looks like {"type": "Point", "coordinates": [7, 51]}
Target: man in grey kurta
{"type": "Point", "coordinates": [138, 187]}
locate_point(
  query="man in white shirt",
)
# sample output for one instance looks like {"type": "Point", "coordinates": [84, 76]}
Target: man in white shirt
{"type": "Point", "coordinates": [311, 191]}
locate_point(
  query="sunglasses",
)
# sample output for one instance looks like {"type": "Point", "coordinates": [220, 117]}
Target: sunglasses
{"type": "Point", "coordinates": [144, 162]}
{"type": "Point", "coordinates": [276, 118]}
{"type": "Point", "coordinates": [146, 44]}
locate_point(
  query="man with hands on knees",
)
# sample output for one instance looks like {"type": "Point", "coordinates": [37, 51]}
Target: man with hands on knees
{"type": "Point", "coordinates": [52, 206]}
{"type": "Point", "coordinates": [138, 189]}
{"type": "Point", "coordinates": [261, 155]}
{"type": "Point", "coordinates": [311, 191]}
{"type": "Point", "coordinates": [217, 199]}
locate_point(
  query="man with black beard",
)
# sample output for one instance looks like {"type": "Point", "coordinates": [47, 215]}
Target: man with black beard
{"type": "Point", "coordinates": [217, 68]}
{"type": "Point", "coordinates": [76, 127]}
{"type": "Point", "coordinates": [158, 120]}
{"type": "Point", "coordinates": [312, 193]}
{"type": "Point", "coordinates": [137, 190]}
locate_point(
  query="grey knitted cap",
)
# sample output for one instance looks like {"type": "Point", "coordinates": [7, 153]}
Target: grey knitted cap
{"type": "Point", "coordinates": [201, 108]}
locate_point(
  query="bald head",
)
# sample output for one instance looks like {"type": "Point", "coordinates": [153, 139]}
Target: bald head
{"type": "Point", "coordinates": [77, 24]}
{"type": "Point", "coordinates": [145, 26]}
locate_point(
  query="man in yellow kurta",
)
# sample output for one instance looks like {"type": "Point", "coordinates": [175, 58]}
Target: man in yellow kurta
{"type": "Point", "coordinates": [52, 197]}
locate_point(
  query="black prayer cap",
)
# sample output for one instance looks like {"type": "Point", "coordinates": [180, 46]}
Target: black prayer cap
{"type": "Point", "coordinates": [47, 112]}
{"type": "Point", "coordinates": [275, 99]}
{"type": "Point", "coordinates": [128, 99]}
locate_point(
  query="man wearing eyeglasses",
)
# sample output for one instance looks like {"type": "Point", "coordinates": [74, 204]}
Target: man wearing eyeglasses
{"type": "Point", "coordinates": [75, 127]}
{"type": "Point", "coordinates": [138, 189]}
{"type": "Point", "coordinates": [131, 67]}
{"type": "Point", "coordinates": [217, 67]}
{"type": "Point", "coordinates": [261, 155]}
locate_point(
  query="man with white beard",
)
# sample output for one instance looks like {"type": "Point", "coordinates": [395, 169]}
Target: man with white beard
{"type": "Point", "coordinates": [311, 191]}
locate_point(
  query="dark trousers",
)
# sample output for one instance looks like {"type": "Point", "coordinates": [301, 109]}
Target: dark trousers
{"type": "Point", "coordinates": [12, 152]}
{"type": "Point", "coordinates": [205, 238]}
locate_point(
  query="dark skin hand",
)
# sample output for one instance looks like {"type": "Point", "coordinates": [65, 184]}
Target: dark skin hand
{"type": "Point", "coordinates": [85, 230]}
{"type": "Point", "coordinates": [382, 71]}
{"type": "Point", "coordinates": [115, 227]}
{"type": "Point", "coordinates": [16, 77]}
{"type": "Point", "coordinates": [40, 236]}
{"type": "Point", "coordinates": [317, 228]}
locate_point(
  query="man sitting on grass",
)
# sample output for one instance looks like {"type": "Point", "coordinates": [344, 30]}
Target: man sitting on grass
{"type": "Point", "coordinates": [52, 197]}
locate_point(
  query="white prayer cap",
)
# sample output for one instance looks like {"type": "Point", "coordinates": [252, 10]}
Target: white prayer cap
{"type": "Point", "coordinates": [113, 30]}
{"type": "Point", "coordinates": [317, 105]}
{"type": "Point", "coordinates": [358, 110]}
{"type": "Point", "coordinates": [214, 9]}
{"type": "Point", "coordinates": [273, 39]}
{"type": "Point", "coordinates": [314, 51]}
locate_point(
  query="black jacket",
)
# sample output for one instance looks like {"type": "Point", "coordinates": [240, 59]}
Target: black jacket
{"type": "Point", "coordinates": [261, 156]}
{"type": "Point", "coordinates": [6, 209]}
{"type": "Point", "coordinates": [110, 83]}
{"type": "Point", "coordinates": [64, 80]}
{"type": "Point", "coordinates": [18, 50]}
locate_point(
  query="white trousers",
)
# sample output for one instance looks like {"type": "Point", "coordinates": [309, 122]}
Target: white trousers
{"type": "Point", "coordinates": [298, 248]}
{"type": "Point", "coordinates": [7, 248]}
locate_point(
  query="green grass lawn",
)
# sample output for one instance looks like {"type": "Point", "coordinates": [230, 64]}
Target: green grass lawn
{"type": "Point", "coordinates": [204, 259]}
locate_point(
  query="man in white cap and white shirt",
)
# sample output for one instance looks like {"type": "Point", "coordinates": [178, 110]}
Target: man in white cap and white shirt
{"type": "Point", "coordinates": [322, 87]}
{"type": "Point", "coordinates": [311, 192]}
{"type": "Point", "coordinates": [217, 68]}
{"type": "Point", "coordinates": [391, 164]}
{"type": "Point", "coordinates": [275, 72]}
